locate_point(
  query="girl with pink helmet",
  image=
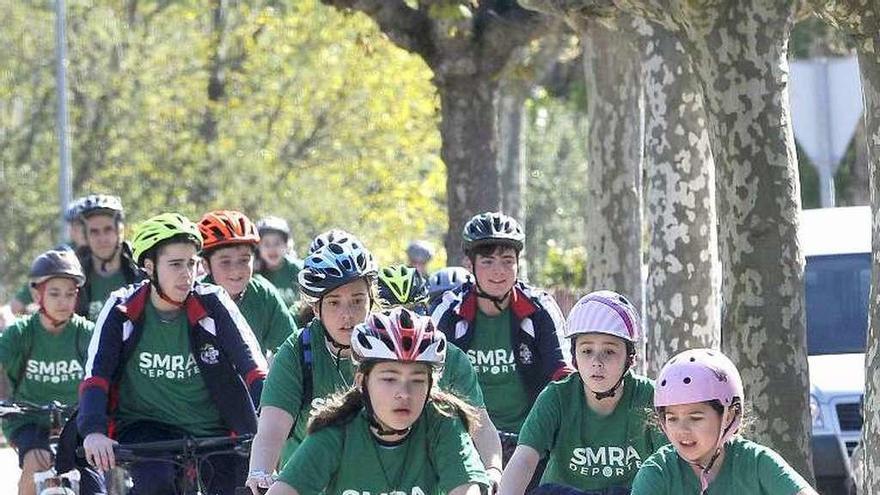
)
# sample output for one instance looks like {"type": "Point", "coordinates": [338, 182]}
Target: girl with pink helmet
{"type": "Point", "coordinates": [592, 427]}
{"type": "Point", "coordinates": [699, 402]}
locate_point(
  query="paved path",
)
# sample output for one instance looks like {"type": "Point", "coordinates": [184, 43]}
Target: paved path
{"type": "Point", "coordinates": [9, 471]}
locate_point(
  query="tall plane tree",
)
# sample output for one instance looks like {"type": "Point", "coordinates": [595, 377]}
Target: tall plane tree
{"type": "Point", "coordinates": [467, 45]}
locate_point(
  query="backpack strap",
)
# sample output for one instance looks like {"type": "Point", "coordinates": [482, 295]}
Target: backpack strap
{"type": "Point", "coordinates": [305, 362]}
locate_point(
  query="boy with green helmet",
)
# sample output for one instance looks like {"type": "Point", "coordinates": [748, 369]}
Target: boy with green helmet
{"type": "Point", "coordinates": [197, 368]}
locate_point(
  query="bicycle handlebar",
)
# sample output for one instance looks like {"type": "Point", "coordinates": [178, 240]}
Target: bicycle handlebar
{"type": "Point", "coordinates": [24, 407]}
{"type": "Point", "coordinates": [182, 446]}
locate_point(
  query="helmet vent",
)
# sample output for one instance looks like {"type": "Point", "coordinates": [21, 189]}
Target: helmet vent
{"type": "Point", "coordinates": [405, 320]}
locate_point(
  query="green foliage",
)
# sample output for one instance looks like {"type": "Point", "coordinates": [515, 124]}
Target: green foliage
{"type": "Point", "coordinates": [555, 206]}
{"type": "Point", "coordinates": [564, 267]}
{"type": "Point", "coordinates": [320, 120]}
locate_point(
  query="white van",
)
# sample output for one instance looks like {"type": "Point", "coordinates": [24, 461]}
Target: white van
{"type": "Point", "coordinates": [836, 243]}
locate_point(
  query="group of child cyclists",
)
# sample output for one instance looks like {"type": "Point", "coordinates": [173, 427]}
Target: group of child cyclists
{"type": "Point", "coordinates": [355, 379]}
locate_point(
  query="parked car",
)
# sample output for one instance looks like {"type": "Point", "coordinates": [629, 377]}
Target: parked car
{"type": "Point", "coordinates": [836, 243]}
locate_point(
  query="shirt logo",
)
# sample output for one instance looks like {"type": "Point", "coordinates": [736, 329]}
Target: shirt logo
{"type": "Point", "coordinates": [53, 371]}
{"type": "Point", "coordinates": [172, 367]}
{"type": "Point", "coordinates": [604, 461]}
{"type": "Point", "coordinates": [525, 354]}
{"type": "Point", "coordinates": [494, 361]}
{"type": "Point", "coordinates": [209, 354]}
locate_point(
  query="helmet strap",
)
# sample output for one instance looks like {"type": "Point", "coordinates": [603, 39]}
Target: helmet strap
{"type": "Point", "coordinates": [704, 475]}
{"type": "Point", "coordinates": [106, 261]}
{"type": "Point", "coordinates": [154, 280]}
{"type": "Point", "coordinates": [41, 288]}
{"type": "Point", "coordinates": [497, 301]}
{"type": "Point", "coordinates": [613, 390]}
{"type": "Point", "coordinates": [381, 429]}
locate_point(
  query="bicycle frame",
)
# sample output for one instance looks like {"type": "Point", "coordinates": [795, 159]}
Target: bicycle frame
{"type": "Point", "coordinates": [47, 482]}
{"type": "Point", "coordinates": [186, 453]}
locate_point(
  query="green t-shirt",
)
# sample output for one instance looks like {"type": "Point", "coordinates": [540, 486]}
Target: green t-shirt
{"type": "Point", "coordinates": [748, 469]}
{"type": "Point", "coordinates": [162, 381]}
{"type": "Point", "coordinates": [100, 289]}
{"type": "Point", "coordinates": [589, 451]}
{"type": "Point", "coordinates": [23, 294]}
{"type": "Point", "coordinates": [284, 385]}
{"type": "Point", "coordinates": [284, 278]}
{"type": "Point", "coordinates": [491, 353]}
{"type": "Point", "coordinates": [265, 312]}
{"type": "Point", "coordinates": [43, 366]}
{"type": "Point", "coordinates": [436, 457]}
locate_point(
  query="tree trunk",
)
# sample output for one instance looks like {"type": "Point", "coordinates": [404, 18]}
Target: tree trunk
{"type": "Point", "coordinates": [512, 154]}
{"type": "Point", "coordinates": [869, 64]}
{"type": "Point", "coordinates": [682, 290]}
{"type": "Point", "coordinates": [469, 150]}
{"type": "Point", "coordinates": [860, 19]}
{"type": "Point", "coordinates": [616, 115]}
{"type": "Point", "coordinates": [739, 50]}
{"type": "Point", "coordinates": [512, 151]}
{"type": "Point", "coordinates": [467, 46]}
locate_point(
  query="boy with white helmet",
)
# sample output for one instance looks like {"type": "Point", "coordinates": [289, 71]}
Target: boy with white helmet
{"type": "Point", "coordinates": [592, 426]}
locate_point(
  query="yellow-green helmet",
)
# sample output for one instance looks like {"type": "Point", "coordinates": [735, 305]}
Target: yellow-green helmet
{"type": "Point", "coordinates": [160, 228]}
{"type": "Point", "coordinates": [401, 285]}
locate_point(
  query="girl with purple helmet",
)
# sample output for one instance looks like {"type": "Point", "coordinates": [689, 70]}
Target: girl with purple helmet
{"type": "Point", "coordinates": [699, 402]}
{"type": "Point", "coordinates": [593, 427]}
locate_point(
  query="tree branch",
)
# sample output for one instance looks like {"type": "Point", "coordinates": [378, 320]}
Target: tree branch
{"type": "Point", "coordinates": [504, 31]}
{"type": "Point", "coordinates": [407, 28]}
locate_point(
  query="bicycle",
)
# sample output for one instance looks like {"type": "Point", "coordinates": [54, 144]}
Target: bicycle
{"type": "Point", "coordinates": [48, 482]}
{"type": "Point", "coordinates": [186, 453]}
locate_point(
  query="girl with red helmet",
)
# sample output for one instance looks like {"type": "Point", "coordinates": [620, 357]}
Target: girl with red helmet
{"type": "Point", "coordinates": [699, 402]}
{"type": "Point", "coordinates": [393, 431]}
{"type": "Point", "coordinates": [230, 245]}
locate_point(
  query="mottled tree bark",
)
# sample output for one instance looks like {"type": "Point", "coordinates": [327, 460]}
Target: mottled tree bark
{"type": "Point", "coordinates": [738, 50]}
{"type": "Point", "coordinates": [616, 115]}
{"type": "Point", "coordinates": [861, 20]}
{"type": "Point", "coordinates": [869, 63]}
{"type": "Point", "coordinates": [682, 290]}
{"type": "Point", "coordinates": [466, 46]}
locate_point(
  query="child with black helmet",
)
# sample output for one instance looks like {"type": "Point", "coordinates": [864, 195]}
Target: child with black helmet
{"type": "Point", "coordinates": [510, 330]}
{"type": "Point", "coordinates": [44, 356]}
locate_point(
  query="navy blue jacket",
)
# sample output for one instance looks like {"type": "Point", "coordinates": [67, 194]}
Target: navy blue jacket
{"type": "Point", "coordinates": [535, 332]}
{"type": "Point", "coordinates": [234, 375]}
